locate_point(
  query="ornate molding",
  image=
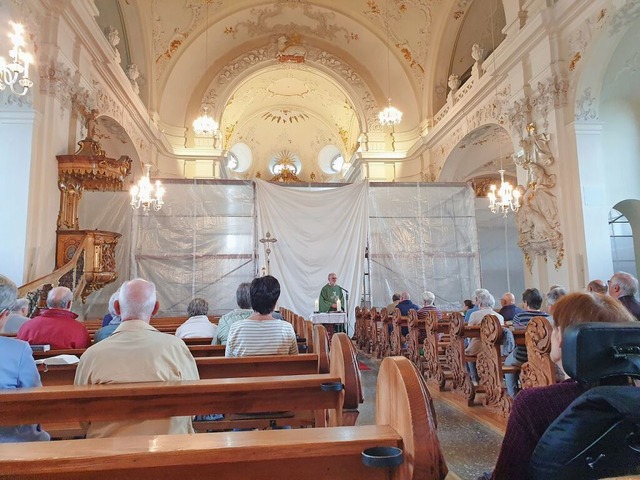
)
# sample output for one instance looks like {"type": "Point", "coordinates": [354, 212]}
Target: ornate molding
{"type": "Point", "coordinates": [585, 106]}
{"type": "Point", "coordinates": [267, 55]}
{"type": "Point", "coordinates": [551, 94]}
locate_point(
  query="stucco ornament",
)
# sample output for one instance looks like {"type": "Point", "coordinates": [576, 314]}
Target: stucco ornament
{"type": "Point", "coordinates": [538, 219]}
{"type": "Point", "coordinates": [289, 50]}
{"type": "Point", "coordinates": [113, 36]}
{"type": "Point", "coordinates": [133, 73]}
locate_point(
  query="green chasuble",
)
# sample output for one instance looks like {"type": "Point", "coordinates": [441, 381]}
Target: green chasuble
{"type": "Point", "coordinates": [328, 296]}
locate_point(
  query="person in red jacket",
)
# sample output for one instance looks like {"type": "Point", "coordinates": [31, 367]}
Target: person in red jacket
{"type": "Point", "coordinates": [57, 325]}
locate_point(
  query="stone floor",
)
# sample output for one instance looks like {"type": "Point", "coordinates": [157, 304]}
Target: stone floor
{"type": "Point", "coordinates": [469, 446]}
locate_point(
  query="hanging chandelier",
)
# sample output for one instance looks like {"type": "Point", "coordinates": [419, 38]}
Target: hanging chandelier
{"type": "Point", "coordinates": [504, 199]}
{"type": "Point", "coordinates": [204, 125]}
{"type": "Point", "coordinates": [390, 116]}
{"type": "Point", "coordinates": [143, 194]}
{"type": "Point", "coordinates": [17, 71]}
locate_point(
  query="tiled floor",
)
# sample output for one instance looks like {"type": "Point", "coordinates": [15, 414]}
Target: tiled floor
{"type": "Point", "coordinates": [470, 447]}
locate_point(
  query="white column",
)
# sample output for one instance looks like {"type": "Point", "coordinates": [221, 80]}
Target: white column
{"type": "Point", "coordinates": [16, 130]}
{"type": "Point", "coordinates": [592, 172]}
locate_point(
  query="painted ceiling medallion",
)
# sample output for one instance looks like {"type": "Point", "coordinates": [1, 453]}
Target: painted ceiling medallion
{"type": "Point", "coordinates": [285, 116]}
{"type": "Point", "coordinates": [288, 87]}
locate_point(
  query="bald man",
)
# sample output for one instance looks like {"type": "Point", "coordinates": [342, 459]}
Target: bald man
{"type": "Point", "coordinates": [57, 325]}
{"type": "Point", "coordinates": [509, 308]}
{"type": "Point", "coordinates": [137, 352]}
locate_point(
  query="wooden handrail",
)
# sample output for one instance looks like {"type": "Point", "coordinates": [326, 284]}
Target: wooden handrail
{"type": "Point", "coordinates": [54, 277]}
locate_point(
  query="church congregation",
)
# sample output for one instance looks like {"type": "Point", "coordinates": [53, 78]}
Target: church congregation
{"type": "Point", "coordinates": [318, 239]}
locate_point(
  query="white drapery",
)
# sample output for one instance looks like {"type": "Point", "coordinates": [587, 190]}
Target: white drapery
{"type": "Point", "coordinates": [317, 232]}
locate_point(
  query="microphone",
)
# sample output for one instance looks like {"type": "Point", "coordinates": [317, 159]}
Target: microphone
{"type": "Point", "coordinates": [343, 289]}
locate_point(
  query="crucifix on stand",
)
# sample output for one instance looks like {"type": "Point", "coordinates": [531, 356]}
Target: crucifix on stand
{"type": "Point", "coordinates": [267, 241]}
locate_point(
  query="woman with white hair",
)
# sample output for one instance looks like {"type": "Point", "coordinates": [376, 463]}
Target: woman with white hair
{"type": "Point", "coordinates": [485, 304]}
{"type": "Point", "coordinates": [115, 321]}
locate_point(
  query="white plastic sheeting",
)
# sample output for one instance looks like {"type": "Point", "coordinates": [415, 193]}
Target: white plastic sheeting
{"type": "Point", "coordinates": [423, 237]}
{"type": "Point", "coordinates": [319, 231]}
{"type": "Point", "coordinates": [204, 241]}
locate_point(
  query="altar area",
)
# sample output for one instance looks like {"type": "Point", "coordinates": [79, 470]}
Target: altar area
{"type": "Point", "coordinates": [379, 238]}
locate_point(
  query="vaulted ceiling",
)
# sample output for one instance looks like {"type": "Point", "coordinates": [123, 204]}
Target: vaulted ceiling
{"type": "Point", "coordinates": [296, 75]}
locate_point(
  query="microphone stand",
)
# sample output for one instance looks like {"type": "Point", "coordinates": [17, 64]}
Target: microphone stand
{"type": "Point", "coordinates": [346, 309]}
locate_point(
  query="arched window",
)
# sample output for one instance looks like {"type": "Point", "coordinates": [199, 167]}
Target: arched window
{"type": "Point", "coordinates": [285, 160]}
{"type": "Point", "coordinates": [239, 158]}
{"type": "Point", "coordinates": [622, 251]}
{"type": "Point", "coordinates": [337, 163]}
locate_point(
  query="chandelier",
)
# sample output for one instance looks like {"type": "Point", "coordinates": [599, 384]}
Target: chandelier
{"type": "Point", "coordinates": [505, 199]}
{"type": "Point", "coordinates": [143, 195]}
{"type": "Point", "coordinates": [204, 124]}
{"type": "Point", "coordinates": [17, 71]}
{"type": "Point", "coordinates": [390, 116]}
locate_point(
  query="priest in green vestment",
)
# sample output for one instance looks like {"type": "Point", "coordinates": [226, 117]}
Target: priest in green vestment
{"type": "Point", "coordinates": [330, 295]}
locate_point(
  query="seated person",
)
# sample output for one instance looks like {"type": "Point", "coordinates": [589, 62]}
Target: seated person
{"type": "Point", "coordinates": [597, 286]}
{"type": "Point", "coordinates": [107, 330]}
{"type": "Point", "coordinates": [17, 317]}
{"type": "Point", "coordinates": [260, 333]}
{"type": "Point", "coordinates": [243, 299]}
{"type": "Point", "coordinates": [137, 352]}
{"type": "Point", "coordinates": [428, 299]}
{"type": "Point", "coordinates": [474, 306]}
{"type": "Point", "coordinates": [198, 324]}
{"type": "Point", "coordinates": [485, 303]}
{"type": "Point", "coordinates": [509, 308]}
{"type": "Point", "coordinates": [552, 298]}
{"type": "Point", "coordinates": [404, 306]}
{"type": "Point", "coordinates": [395, 299]}
{"type": "Point", "coordinates": [534, 409]}
{"type": "Point", "coordinates": [532, 299]}
{"type": "Point", "coordinates": [467, 305]}
{"type": "Point", "coordinates": [17, 369]}
{"type": "Point", "coordinates": [57, 325]}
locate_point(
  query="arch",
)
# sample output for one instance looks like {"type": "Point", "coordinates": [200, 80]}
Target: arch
{"type": "Point", "coordinates": [479, 154]}
{"type": "Point", "coordinates": [115, 141]}
{"type": "Point", "coordinates": [630, 208]}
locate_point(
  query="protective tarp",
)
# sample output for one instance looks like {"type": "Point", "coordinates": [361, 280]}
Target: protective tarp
{"type": "Point", "coordinates": [205, 241]}
{"type": "Point", "coordinates": [423, 237]}
{"type": "Point", "coordinates": [318, 231]}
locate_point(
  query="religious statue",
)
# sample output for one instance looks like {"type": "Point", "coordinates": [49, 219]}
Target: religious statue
{"type": "Point", "coordinates": [133, 73]}
{"type": "Point", "coordinates": [477, 53]}
{"type": "Point", "coordinates": [113, 36]}
{"type": "Point", "coordinates": [536, 148]}
{"type": "Point", "coordinates": [537, 219]}
{"type": "Point", "coordinates": [454, 85]}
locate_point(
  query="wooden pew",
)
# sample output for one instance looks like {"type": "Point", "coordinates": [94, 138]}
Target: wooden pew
{"type": "Point", "coordinates": [212, 368]}
{"type": "Point", "coordinates": [539, 370]}
{"type": "Point", "coordinates": [404, 417]}
{"type": "Point", "coordinates": [415, 337]}
{"type": "Point", "coordinates": [397, 338]}
{"type": "Point", "coordinates": [384, 338]}
{"type": "Point", "coordinates": [344, 370]}
{"type": "Point", "coordinates": [196, 351]}
{"type": "Point", "coordinates": [434, 350]}
{"type": "Point", "coordinates": [490, 365]}
{"type": "Point", "coordinates": [456, 359]}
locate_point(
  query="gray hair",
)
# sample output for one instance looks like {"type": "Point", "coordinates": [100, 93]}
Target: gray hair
{"type": "Point", "coordinates": [112, 303]}
{"type": "Point", "coordinates": [198, 306]}
{"type": "Point", "coordinates": [485, 299]}
{"type": "Point", "coordinates": [8, 293]}
{"type": "Point", "coordinates": [628, 283]}
{"type": "Point", "coordinates": [20, 304]}
{"type": "Point", "coordinates": [137, 299]}
{"type": "Point", "coordinates": [59, 297]}
{"type": "Point", "coordinates": [428, 297]}
{"type": "Point", "coordinates": [405, 296]}
{"type": "Point", "coordinates": [243, 295]}
{"type": "Point", "coordinates": [555, 294]}
{"type": "Point", "coordinates": [478, 292]}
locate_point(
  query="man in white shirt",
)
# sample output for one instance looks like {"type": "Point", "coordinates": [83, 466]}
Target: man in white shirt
{"type": "Point", "coordinates": [137, 352]}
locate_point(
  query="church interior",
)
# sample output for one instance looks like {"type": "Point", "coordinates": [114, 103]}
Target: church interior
{"type": "Point", "coordinates": [407, 145]}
